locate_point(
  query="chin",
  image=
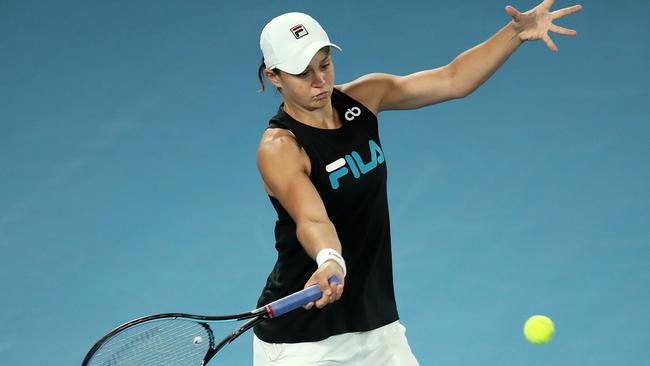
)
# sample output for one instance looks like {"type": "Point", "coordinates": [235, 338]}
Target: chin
{"type": "Point", "coordinates": [320, 102]}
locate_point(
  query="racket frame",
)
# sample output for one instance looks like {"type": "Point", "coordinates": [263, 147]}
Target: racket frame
{"type": "Point", "coordinates": [274, 309]}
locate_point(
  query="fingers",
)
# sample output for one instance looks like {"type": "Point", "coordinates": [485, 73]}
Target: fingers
{"type": "Point", "coordinates": [337, 291]}
{"type": "Point", "coordinates": [561, 13]}
{"type": "Point", "coordinates": [549, 42]}
{"type": "Point", "coordinates": [324, 286]}
{"type": "Point", "coordinates": [562, 30]}
{"type": "Point", "coordinates": [321, 281]}
{"type": "Point", "coordinates": [512, 11]}
{"type": "Point", "coordinates": [327, 298]}
{"type": "Point", "coordinates": [331, 292]}
{"type": "Point", "coordinates": [548, 3]}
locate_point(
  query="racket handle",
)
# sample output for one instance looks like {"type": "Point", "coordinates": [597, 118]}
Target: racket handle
{"type": "Point", "coordinates": [297, 299]}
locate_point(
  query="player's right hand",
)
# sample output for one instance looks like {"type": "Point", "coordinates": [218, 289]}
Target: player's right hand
{"type": "Point", "coordinates": [331, 291]}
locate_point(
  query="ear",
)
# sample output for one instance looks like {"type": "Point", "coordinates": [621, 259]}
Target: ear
{"type": "Point", "coordinates": [274, 78]}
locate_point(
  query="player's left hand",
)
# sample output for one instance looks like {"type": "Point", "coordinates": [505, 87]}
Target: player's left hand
{"type": "Point", "coordinates": [537, 22]}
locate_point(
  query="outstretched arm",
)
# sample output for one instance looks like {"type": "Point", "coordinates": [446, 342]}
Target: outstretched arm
{"type": "Point", "coordinates": [473, 67]}
{"type": "Point", "coordinates": [466, 72]}
{"type": "Point", "coordinates": [284, 170]}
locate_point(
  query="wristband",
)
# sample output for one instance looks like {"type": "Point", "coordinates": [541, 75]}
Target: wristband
{"type": "Point", "coordinates": [331, 254]}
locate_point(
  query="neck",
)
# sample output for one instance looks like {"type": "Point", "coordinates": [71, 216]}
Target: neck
{"type": "Point", "coordinates": [325, 117]}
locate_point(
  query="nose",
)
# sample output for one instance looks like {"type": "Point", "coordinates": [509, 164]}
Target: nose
{"type": "Point", "coordinates": [319, 79]}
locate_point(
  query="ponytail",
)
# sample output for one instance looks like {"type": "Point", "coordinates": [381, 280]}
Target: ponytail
{"type": "Point", "coordinates": [261, 76]}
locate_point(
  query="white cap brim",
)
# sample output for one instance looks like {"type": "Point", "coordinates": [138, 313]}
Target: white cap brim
{"type": "Point", "coordinates": [297, 63]}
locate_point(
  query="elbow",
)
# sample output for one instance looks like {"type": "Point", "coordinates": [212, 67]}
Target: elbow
{"type": "Point", "coordinates": [455, 89]}
{"type": "Point", "coordinates": [459, 87]}
{"type": "Point", "coordinates": [462, 89]}
{"type": "Point", "coordinates": [464, 92]}
{"type": "Point", "coordinates": [458, 92]}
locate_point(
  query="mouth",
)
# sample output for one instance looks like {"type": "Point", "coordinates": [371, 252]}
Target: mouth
{"type": "Point", "coordinates": [321, 95]}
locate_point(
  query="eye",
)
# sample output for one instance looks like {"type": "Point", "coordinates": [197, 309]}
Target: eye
{"type": "Point", "coordinates": [303, 75]}
{"type": "Point", "coordinates": [325, 66]}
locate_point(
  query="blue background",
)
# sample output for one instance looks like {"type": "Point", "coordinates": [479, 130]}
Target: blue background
{"type": "Point", "coordinates": [128, 183]}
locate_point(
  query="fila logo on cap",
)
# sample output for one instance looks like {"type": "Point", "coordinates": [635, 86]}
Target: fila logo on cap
{"type": "Point", "coordinates": [299, 31]}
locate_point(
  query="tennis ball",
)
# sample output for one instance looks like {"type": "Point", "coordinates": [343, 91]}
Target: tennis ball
{"type": "Point", "coordinates": [539, 329]}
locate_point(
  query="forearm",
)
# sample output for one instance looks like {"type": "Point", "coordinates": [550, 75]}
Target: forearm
{"type": "Point", "coordinates": [315, 236]}
{"type": "Point", "coordinates": [473, 67]}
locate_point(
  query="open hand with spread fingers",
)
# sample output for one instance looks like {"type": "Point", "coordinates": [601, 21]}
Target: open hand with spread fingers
{"type": "Point", "coordinates": [537, 22]}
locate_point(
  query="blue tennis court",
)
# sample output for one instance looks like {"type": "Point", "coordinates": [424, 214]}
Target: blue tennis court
{"type": "Point", "coordinates": [128, 179]}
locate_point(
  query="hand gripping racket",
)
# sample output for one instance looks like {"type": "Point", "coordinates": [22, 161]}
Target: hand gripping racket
{"type": "Point", "coordinates": [183, 339]}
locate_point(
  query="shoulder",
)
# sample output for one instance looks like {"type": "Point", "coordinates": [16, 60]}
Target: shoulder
{"type": "Point", "coordinates": [370, 89]}
{"type": "Point", "coordinates": [278, 146]}
{"type": "Point", "coordinates": [276, 141]}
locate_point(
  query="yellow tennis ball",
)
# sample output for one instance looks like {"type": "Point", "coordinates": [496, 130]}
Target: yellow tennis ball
{"type": "Point", "coordinates": [539, 329]}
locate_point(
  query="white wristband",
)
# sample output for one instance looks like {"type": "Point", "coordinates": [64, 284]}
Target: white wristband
{"type": "Point", "coordinates": [331, 254]}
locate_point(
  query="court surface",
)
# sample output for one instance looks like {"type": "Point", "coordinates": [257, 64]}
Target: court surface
{"type": "Point", "coordinates": [128, 183]}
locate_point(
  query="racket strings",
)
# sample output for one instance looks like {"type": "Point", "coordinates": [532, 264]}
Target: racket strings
{"type": "Point", "coordinates": [162, 342]}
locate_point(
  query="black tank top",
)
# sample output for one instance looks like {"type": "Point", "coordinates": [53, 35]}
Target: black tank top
{"type": "Point", "coordinates": [348, 169]}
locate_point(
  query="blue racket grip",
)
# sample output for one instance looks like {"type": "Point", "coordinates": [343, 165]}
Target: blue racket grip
{"type": "Point", "coordinates": [297, 299]}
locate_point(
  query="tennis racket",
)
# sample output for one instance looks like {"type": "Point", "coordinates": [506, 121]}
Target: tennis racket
{"type": "Point", "coordinates": [183, 339]}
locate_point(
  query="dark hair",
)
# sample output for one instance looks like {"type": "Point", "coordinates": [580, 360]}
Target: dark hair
{"type": "Point", "coordinates": [260, 75]}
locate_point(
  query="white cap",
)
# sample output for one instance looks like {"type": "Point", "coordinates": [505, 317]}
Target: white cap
{"type": "Point", "coordinates": [291, 40]}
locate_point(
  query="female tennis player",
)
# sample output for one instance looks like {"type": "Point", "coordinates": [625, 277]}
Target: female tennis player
{"type": "Point", "coordinates": [325, 173]}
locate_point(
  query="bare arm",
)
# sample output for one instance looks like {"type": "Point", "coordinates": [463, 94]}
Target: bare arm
{"type": "Point", "coordinates": [284, 168]}
{"type": "Point", "coordinates": [466, 72]}
{"type": "Point", "coordinates": [456, 80]}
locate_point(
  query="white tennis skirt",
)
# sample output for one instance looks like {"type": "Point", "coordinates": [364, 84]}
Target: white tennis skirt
{"type": "Point", "coordinates": [385, 346]}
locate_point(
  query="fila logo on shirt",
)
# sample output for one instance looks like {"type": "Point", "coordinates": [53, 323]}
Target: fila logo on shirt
{"type": "Point", "coordinates": [355, 164]}
{"type": "Point", "coordinates": [299, 31]}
